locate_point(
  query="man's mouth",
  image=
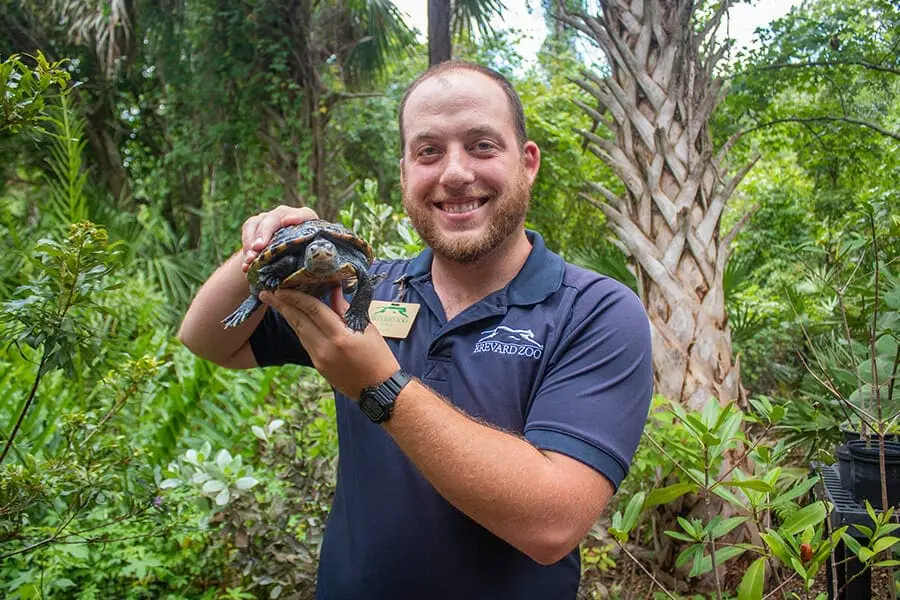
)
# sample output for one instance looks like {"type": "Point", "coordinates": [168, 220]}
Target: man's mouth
{"type": "Point", "coordinates": [455, 208]}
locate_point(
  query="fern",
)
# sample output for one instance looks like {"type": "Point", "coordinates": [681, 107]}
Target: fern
{"type": "Point", "coordinates": [67, 177]}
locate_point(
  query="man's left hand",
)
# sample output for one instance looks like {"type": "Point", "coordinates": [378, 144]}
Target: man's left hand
{"type": "Point", "coordinates": [349, 360]}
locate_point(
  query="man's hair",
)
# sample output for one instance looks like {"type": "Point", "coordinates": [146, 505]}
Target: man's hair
{"type": "Point", "coordinates": [515, 103]}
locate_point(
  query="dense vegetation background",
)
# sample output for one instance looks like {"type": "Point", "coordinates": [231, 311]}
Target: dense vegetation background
{"type": "Point", "coordinates": [136, 137]}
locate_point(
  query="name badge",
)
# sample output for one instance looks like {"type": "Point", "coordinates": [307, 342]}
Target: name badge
{"type": "Point", "coordinates": [393, 319]}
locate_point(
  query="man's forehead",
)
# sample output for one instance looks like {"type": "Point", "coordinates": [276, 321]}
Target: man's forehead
{"type": "Point", "coordinates": [457, 92]}
{"type": "Point", "coordinates": [460, 83]}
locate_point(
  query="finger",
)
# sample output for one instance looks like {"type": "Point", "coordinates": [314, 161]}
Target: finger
{"type": "Point", "coordinates": [267, 225]}
{"type": "Point", "coordinates": [327, 321]}
{"type": "Point", "coordinates": [286, 305]}
{"type": "Point", "coordinates": [295, 216]}
{"type": "Point", "coordinates": [338, 303]}
{"type": "Point", "coordinates": [247, 232]}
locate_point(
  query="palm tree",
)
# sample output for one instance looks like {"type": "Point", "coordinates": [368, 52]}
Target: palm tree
{"type": "Point", "coordinates": [446, 18]}
{"type": "Point", "coordinates": [656, 103]}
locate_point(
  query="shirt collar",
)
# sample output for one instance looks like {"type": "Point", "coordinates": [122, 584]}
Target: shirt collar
{"type": "Point", "coordinates": [540, 276]}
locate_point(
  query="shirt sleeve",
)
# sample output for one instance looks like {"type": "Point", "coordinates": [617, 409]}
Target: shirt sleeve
{"type": "Point", "coordinates": [274, 343]}
{"type": "Point", "coordinates": [593, 401]}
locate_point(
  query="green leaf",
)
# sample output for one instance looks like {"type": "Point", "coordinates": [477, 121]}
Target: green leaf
{"type": "Point", "coordinates": [166, 484]}
{"type": "Point", "coordinates": [805, 517]}
{"type": "Point", "coordinates": [757, 485]}
{"type": "Point", "coordinates": [223, 497]}
{"type": "Point", "coordinates": [692, 528]}
{"type": "Point", "coordinates": [726, 526]}
{"type": "Point", "coordinates": [852, 543]}
{"type": "Point", "coordinates": [798, 567]}
{"type": "Point", "coordinates": [633, 511]}
{"type": "Point", "coordinates": [245, 483]}
{"type": "Point", "coordinates": [259, 432]}
{"type": "Point", "coordinates": [669, 494]}
{"type": "Point", "coordinates": [223, 459]}
{"type": "Point", "coordinates": [777, 546]}
{"type": "Point", "coordinates": [213, 486]}
{"type": "Point", "coordinates": [688, 554]}
{"type": "Point", "coordinates": [729, 496]}
{"type": "Point", "coordinates": [704, 564]}
{"type": "Point", "coordinates": [753, 582]}
{"type": "Point", "coordinates": [884, 543]}
{"type": "Point", "coordinates": [679, 536]}
{"type": "Point", "coordinates": [887, 563]}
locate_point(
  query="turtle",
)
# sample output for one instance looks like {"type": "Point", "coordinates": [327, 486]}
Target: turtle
{"type": "Point", "coordinates": [314, 257]}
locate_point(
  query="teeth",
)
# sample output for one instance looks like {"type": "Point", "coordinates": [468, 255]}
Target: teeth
{"type": "Point", "coordinates": [460, 208]}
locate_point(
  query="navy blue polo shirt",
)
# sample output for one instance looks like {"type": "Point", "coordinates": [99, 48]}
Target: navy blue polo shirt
{"type": "Point", "coordinates": [561, 356]}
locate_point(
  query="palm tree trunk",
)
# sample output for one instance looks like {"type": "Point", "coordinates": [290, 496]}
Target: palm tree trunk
{"type": "Point", "coordinates": [657, 104]}
{"type": "Point", "coordinates": [439, 44]}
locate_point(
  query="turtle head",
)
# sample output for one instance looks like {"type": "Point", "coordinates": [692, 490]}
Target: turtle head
{"type": "Point", "coordinates": [321, 255]}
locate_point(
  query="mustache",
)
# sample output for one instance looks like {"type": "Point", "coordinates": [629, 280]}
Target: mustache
{"type": "Point", "coordinates": [470, 192]}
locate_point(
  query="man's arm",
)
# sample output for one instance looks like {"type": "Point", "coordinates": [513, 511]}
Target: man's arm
{"type": "Point", "coordinates": [201, 329]}
{"type": "Point", "coordinates": [542, 503]}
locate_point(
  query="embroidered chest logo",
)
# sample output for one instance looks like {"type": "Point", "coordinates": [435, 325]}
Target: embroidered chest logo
{"type": "Point", "coordinates": [505, 340]}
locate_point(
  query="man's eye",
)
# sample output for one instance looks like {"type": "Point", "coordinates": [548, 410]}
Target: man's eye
{"type": "Point", "coordinates": [428, 151]}
{"type": "Point", "coordinates": [484, 146]}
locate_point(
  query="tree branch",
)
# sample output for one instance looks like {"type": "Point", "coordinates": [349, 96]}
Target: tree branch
{"type": "Point", "coordinates": [823, 118]}
{"type": "Point", "coordinates": [821, 63]}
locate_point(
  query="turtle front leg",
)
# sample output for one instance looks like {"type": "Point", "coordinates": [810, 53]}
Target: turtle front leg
{"type": "Point", "coordinates": [272, 274]}
{"type": "Point", "coordinates": [357, 316]}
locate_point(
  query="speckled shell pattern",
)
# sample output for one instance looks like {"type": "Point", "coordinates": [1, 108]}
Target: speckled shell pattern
{"type": "Point", "coordinates": [294, 238]}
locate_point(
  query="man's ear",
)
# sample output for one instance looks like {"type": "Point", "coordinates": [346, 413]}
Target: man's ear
{"type": "Point", "coordinates": [531, 159]}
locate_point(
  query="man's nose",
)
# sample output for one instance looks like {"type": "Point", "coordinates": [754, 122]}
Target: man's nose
{"type": "Point", "coordinates": [458, 169]}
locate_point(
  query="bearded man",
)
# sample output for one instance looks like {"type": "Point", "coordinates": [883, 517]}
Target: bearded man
{"type": "Point", "coordinates": [496, 429]}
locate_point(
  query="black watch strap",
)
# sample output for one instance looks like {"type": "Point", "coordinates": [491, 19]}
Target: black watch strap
{"type": "Point", "coordinates": [377, 403]}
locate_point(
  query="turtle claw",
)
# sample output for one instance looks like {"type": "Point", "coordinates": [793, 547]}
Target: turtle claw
{"type": "Point", "coordinates": [242, 312]}
{"type": "Point", "coordinates": [356, 321]}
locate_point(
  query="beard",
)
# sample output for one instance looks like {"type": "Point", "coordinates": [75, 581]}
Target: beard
{"type": "Point", "coordinates": [468, 247]}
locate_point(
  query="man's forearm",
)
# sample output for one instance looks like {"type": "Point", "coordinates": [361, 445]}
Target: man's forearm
{"type": "Point", "coordinates": [202, 330]}
{"type": "Point", "coordinates": [541, 503]}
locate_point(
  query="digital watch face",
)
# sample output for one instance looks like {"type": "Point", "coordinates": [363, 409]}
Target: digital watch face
{"type": "Point", "coordinates": [371, 407]}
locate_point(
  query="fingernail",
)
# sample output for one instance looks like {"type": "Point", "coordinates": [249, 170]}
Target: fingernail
{"type": "Point", "coordinates": [257, 241]}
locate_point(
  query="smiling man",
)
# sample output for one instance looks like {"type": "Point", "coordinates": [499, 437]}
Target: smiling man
{"type": "Point", "coordinates": [480, 443]}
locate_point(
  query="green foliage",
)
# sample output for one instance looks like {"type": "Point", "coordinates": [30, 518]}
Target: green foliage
{"type": "Point", "coordinates": [707, 453]}
{"type": "Point", "coordinates": [390, 232]}
{"type": "Point", "coordinates": [848, 307]}
{"type": "Point", "coordinates": [24, 90]}
{"type": "Point", "coordinates": [817, 100]}
{"type": "Point", "coordinates": [50, 312]}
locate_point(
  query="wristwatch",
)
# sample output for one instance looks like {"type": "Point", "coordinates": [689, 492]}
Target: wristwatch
{"type": "Point", "coordinates": [377, 403]}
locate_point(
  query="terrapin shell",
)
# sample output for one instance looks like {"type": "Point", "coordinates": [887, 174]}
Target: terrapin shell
{"type": "Point", "coordinates": [283, 263]}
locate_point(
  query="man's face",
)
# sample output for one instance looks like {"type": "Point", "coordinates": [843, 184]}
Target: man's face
{"type": "Point", "coordinates": [466, 180]}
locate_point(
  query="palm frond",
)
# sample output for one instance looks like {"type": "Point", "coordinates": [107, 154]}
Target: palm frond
{"type": "Point", "coordinates": [106, 26]}
{"type": "Point", "coordinates": [606, 260]}
{"type": "Point", "coordinates": [467, 13]}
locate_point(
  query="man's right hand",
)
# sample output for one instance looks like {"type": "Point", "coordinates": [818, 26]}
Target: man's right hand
{"type": "Point", "coordinates": [258, 229]}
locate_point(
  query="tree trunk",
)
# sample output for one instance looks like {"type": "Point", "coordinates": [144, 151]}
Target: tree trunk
{"type": "Point", "coordinates": [439, 44]}
{"type": "Point", "coordinates": [657, 104]}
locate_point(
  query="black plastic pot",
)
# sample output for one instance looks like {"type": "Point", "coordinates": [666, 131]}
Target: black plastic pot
{"type": "Point", "coordinates": [853, 434]}
{"type": "Point", "coordinates": [842, 453]}
{"type": "Point", "coordinates": [866, 473]}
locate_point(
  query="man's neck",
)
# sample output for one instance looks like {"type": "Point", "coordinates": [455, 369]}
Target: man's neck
{"type": "Point", "coordinates": [460, 285]}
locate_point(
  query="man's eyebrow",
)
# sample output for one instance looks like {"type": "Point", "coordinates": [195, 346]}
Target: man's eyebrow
{"type": "Point", "coordinates": [486, 131]}
{"type": "Point", "coordinates": [479, 131]}
{"type": "Point", "coordinates": [422, 136]}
